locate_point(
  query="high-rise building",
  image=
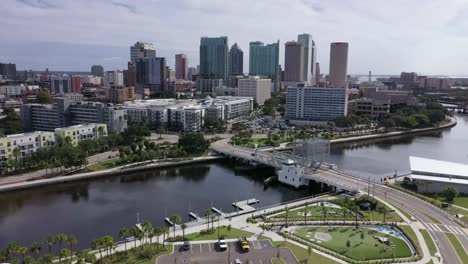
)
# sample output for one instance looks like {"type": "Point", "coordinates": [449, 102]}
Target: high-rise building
{"type": "Point", "coordinates": [60, 84]}
{"type": "Point", "coordinates": [141, 50]}
{"type": "Point", "coordinates": [8, 71]}
{"type": "Point", "coordinates": [191, 72]}
{"type": "Point", "coordinates": [214, 58]}
{"type": "Point", "coordinates": [313, 64]}
{"type": "Point", "coordinates": [131, 74]}
{"type": "Point", "coordinates": [338, 64]}
{"type": "Point", "coordinates": [97, 70]}
{"type": "Point", "coordinates": [236, 61]}
{"type": "Point", "coordinates": [313, 104]}
{"type": "Point", "coordinates": [181, 66]}
{"type": "Point", "coordinates": [309, 57]}
{"type": "Point", "coordinates": [318, 75]}
{"type": "Point", "coordinates": [264, 61]}
{"type": "Point", "coordinates": [151, 74]}
{"type": "Point", "coordinates": [120, 94]}
{"type": "Point", "coordinates": [113, 78]}
{"type": "Point", "coordinates": [294, 62]}
{"type": "Point", "coordinates": [75, 84]}
{"type": "Point", "coordinates": [257, 88]}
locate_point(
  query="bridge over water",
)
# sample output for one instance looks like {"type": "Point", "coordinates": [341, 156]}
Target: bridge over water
{"type": "Point", "coordinates": [323, 173]}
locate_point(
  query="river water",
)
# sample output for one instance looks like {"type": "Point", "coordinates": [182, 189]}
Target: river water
{"type": "Point", "coordinates": [93, 208]}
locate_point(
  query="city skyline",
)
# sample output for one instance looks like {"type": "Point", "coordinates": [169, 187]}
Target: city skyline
{"type": "Point", "coordinates": [386, 38]}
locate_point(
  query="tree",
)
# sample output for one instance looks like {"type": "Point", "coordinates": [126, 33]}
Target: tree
{"type": "Point", "coordinates": [158, 231]}
{"type": "Point", "coordinates": [306, 211]}
{"type": "Point", "coordinates": [123, 234]}
{"type": "Point", "coordinates": [324, 212]}
{"type": "Point", "coordinates": [36, 247]}
{"type": "Point", "coordinates": [12, 250]}
{"type": "Point", "coordinates": [175, 219]}
{"type": "Point", "coordinates": [348, 244]}
{"type": "Point", "coordinates": [44, 98]}
{"type": "Point", "coordinates": [47, 259]}
{"type": "Point", "coordinates": [29, 260]}
{"type": "Point", "coordinates": [51, 241]}
{"type": "Point", "coordinates": [71, 241]}
{"type": "Point", "coordinates": [61, 238]}
{"type": "Point", "coordinates": [11, 123]}
{"type": "Point", "coordinates": [193, 143]}
{"type": "Point", "coordinates": [134, 231]}
{"type": "Point", "coordinates": [449, 194]}
{"type": "Point", "coordinates": [97, 244]}
{"type": "Point", "coordinates": [214, 125]}
{"type": "Point", "coordinates": [183, 226]}
{"type": "Point", "coordinates": [22, 250]}
{"type": "Point", "coordinates": [208, 215]}
{"type": "Point", "coordinates": [388, 123]}
{"type": "Point", "coordinates": [286, 211]}
{"type": "Point", "coordinates": [64, 253]}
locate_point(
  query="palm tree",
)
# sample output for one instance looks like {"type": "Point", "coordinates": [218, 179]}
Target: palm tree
{"type": "Point", "coordinates": [12, 249]}
{"type": "Point", "coordinates": [97, 245]}
{"type": "Point", "coordinates": [147, 228]}
{"type": "Point", "coordinates": [47, 259]}
{"type": "Point", "coordinates": [165, 231]}
{"type": "Point", "coordinates": [29, 260]}
{"type": "Point", "coordinates": [306, 210]}
{"type": "Point", "coordinates": [183, 226]}
{"type": "Point", "coordinates": [134, 231]}
{"type": "Point", "coordinates": [158, 231]}
{"type": "Point", "coordinates": [324, 212]}
{"type": "Point", "coordinates": [51, 241]}
{"type": "Point", "coordinates": [286, 210]}
{"type": "Point", "coordinates": [123, 233]}
{"type": "Point", "coordinates": [175, 219]}
{"type": "Point", "coordinates": [208, 214]}
{"type": "Point", "coordinates": [36, 248]}
{"type": "Point", "coordinates": [23, 250]}
{"type": "Point", "coordinates": [64, 253]}
{"type": "Point", "coordinates": [61, 238]}
{"type": "Point", "coordinates": [3, 256]}
{"type": "Point", "coordinates": [72, 240]}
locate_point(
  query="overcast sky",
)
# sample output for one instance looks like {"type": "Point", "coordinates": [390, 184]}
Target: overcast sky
{"type": "Point", "coordinates": [385, 36]}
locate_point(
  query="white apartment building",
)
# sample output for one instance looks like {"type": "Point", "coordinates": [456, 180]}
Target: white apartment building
{"type": "Point", "coordinates": [259, 89]}
{"type": "Point", "coordinates": [113, 78]}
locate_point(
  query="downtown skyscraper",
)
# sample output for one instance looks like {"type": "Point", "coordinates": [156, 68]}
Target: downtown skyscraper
{"type": "Point", "coordinates": [264, 61]}
{"type": "Point", "coordinates": [309, 58]}
{"type": "Point", "coordinates": [294, 62]}
{"type": "Point", "coordinates": [141, 50]}
{"type": "Point", "coordinates": [214, 58]}
{"type": "Point", "coordinates": [181, 67]}
{"type": "Point", "coordinates": [338, 64]}
{"type": "Point", "coordinates": [236, 61]}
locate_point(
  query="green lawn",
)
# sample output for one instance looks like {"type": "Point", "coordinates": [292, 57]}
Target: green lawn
{"type": "Point", "coordinates": [302, 254]}
{"type": "Point", "coordinates": [278, 261]}
{"type": "Point", "coordinates": [134, 257]}
{"type": "Point", "coordinates": [366, 248]}
{"type": "Point", "coordinates": [462, 201]}
{"type": "Point", "coordinates": [316, 213]}
{"type": "Point", "coordinates": [103, 165]}
{"type": "Point", "coordinates": [458, 247]}
{"type": "Point", "coordinates": [223, 231]}
{"type": "Point", "coordinates": [411, 235]}
{"type": "Point", "coordinates": [429, 241]}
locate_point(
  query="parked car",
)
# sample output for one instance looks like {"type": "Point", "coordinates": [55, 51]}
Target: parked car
{"type": "Point", "coordinates": [237, 261]}
{"type": "Point", "coordinates": [186, 245]}
{"type": "Point", "coordinates": [222, 245]}
{"type": "Point", "coordinates": [244, 244]}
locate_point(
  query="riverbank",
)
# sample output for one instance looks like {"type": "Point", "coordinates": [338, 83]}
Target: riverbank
{"type": "Point", "coordinates": [451, 123]}
{"type": "Point", "coordinates": [129, 168]}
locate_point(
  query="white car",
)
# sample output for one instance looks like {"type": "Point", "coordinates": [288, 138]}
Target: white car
{"type": "Point", "coordinates": [222, 244]}
{"type": "Point", "coordinates": [238, 261]}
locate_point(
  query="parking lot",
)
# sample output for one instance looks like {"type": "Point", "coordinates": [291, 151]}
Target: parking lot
{"type": "Point", "coordinates": [261, 252]}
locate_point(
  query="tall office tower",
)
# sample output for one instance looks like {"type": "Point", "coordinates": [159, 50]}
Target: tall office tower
{"type": "Point", "coordinates": [264, 61]}
{"type": "Point", "coordinates": [131, 74]}
{"type": "Point", "coordinates": [294, 62]}
{"type": "Point", "coordinates": [213, 58]}
{"type": "Point", "coordinates": [236, 61]}
{"type": "Point", "coordinates": [318, 75]}
{"type": "Point", "coordinates": [75, 84]}
{"type": "Point", "coordinates": [97, 70]}
{"type": "Point", "coordinates": [181, 67]}
{"type": "Point", "coordinates": [151, 73]}
{"type": "Point", "coordinates": [309, 57]}
{"type": "Point", "coordinates": [191, 72]}
{"type": "Point", "coordinates": [142, 50]}
{"type": "Point", "coordinates": [338, 64]}
{"type": "Point", "coordinates": [8, 71]}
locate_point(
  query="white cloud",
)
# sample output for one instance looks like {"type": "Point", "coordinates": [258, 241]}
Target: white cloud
{"type": "Point", "coordinates": [427, 36]}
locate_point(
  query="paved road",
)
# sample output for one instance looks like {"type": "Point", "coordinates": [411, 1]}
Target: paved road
{"type": "Point", "coordinates": [261, 252]}
{"type": "Point", "coordinates": [414, 206]}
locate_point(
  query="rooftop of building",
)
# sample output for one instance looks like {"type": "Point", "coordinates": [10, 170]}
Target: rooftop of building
{"type": "Point", "coordinates": [34, 133]}
{"type": "Point", "coordinates": [79, 126]}
{"type": "Point", "coordinates": [433, 168]}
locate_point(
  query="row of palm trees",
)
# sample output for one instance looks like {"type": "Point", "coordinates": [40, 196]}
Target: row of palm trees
{"type": "Point", "coordinates": [15, 251]}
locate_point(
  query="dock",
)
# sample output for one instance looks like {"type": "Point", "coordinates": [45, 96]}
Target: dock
{"type": "Point", "coordinates": [168, 221]}
{"type": "Point", "coordinates": [216, 210]}
{"type": "Point", "coordinates": [193, 215]}
{"type": "Point", "coordinates": [240, 204]}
